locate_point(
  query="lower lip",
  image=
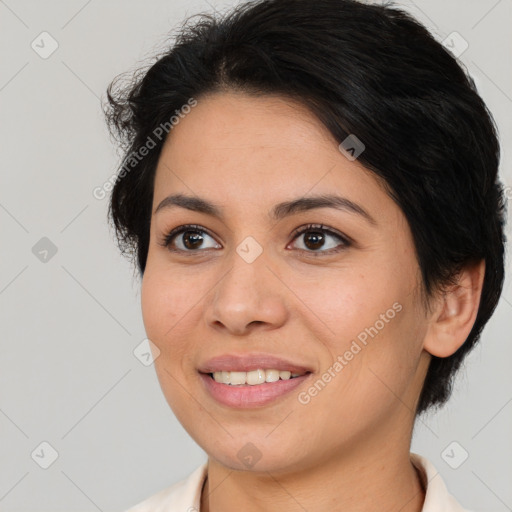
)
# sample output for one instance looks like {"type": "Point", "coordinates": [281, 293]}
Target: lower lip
{"type": "Point", "coordinates": [250, 396]}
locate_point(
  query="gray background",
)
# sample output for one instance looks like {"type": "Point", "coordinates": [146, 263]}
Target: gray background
{"type": "Point", "coordinates": [70, 324]}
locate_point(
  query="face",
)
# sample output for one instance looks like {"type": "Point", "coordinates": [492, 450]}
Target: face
{"type": "Point", "coordinates": [326, 293]}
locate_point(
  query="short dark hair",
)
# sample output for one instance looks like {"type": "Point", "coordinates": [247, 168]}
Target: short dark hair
{"type": "Point", "coordinates": [369, 70]}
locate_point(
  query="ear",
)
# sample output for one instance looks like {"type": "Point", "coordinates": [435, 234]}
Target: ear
{"type": "Point", "coordinates": [455, 313]}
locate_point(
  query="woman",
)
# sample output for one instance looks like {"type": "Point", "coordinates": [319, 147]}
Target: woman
{"type": "Point", "coordinates": [310, 191]}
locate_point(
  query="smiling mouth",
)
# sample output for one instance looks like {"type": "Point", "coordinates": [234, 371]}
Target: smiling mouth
{"type": "Point", "coordinates": [254, 377]}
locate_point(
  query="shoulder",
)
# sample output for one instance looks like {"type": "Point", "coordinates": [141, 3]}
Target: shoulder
{"type": "Point", "coordinates": [437, 497]}
{"type": "Point", "coordinates": [183, 496]}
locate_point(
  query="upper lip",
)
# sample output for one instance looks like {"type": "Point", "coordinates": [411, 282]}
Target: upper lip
{"type": "Point", "coordinates": [250, 362]}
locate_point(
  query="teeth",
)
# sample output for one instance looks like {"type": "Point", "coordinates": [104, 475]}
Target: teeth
{"type": "Point", "coordinates": [252, 378]}
{"type": "Point", "coordinates": [237, 377]}
{"type": "Point", "coordinates": [256, 377]}
{"type": "Point", "coordinates": [271, 375]}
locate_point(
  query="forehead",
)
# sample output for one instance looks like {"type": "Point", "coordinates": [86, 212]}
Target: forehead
{"type": "Point", "coordinates": [230, 123]}
{"type": "Point", "coordinates": [240, 148]}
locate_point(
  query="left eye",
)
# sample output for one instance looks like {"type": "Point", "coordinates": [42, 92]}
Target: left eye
{"type": "Point", "coordinates": [315, 237]}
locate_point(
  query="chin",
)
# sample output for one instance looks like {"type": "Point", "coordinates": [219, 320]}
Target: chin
{"type": "Point", "coordinates": [252, 460]}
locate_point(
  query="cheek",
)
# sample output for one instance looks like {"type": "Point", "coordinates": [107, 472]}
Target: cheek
{"type": "Point", "coordinates": [345, 304]}
{"type": "Point", "coordinates": [369, 323]}
{"type": "Point", "coordinates": [172, 308]}
{"type": "Point", "coordinates": [153, 300]}
{"type": "Point", "coordinates": [164, 306]}
{"type": "Point", "coordinates": [166, 322]}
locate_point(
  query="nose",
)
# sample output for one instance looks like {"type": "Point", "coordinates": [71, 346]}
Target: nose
{"type": "Point", "coordinates": [249, 296]}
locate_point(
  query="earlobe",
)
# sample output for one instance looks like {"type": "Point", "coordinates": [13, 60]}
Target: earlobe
{"type": "Point", "coordinates": [456, 313]}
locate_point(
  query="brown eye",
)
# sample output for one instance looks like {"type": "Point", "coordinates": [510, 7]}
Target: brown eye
{"type": "Point", "coordinates": [317, 237]}
{"type": "Point", "coordinates": [192, 239]}
{"type": "Point", "coordinates": [189, 238]}
{"type": "Point", "coordinates": [314, 240]}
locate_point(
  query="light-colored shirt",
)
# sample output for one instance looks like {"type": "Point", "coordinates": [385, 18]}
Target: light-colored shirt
{"type": "Point", "coordinates": [185, 496]}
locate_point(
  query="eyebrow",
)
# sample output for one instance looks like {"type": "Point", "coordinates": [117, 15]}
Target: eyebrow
{"type": "Point", "coordinates": [278, 212]}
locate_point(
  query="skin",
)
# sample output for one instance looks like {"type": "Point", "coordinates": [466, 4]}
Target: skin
{"type": "Point", "coordinates": [348, 448]}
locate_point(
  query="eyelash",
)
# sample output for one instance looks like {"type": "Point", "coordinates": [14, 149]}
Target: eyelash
{"type": "Point", "coordinates": [317, 228]}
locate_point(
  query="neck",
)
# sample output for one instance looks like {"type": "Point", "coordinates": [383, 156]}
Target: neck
{"type": "Point", "coordinates": [373, 476]}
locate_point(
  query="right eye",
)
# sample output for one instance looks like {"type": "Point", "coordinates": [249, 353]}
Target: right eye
{"type": "Point", "coordinates": [189, 238]}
